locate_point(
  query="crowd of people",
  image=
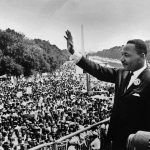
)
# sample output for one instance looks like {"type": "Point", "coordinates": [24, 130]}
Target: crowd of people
{"type": "Point", "coordinates": [46, 107]}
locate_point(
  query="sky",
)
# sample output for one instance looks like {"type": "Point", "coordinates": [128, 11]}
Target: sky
{"type": "Point", "coordinates": [106, 23]}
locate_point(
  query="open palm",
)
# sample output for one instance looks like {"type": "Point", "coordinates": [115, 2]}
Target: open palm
{"type": "Point", "coordinates": [69, 39]}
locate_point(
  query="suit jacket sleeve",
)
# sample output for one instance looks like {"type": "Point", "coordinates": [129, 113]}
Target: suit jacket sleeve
{"type": "Point", "coordinates": [145, 111]}
{"type": "Point", "coordinates": [98, 71]}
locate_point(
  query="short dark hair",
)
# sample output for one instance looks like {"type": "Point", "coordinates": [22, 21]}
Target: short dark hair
{"type": "Point", "coordinates": [140, 46]}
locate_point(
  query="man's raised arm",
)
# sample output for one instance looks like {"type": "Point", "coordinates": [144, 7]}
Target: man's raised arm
{"type": "Point", "coordinates": [102, 73]}
{"type": "Point", "coordinates": [75, 56]}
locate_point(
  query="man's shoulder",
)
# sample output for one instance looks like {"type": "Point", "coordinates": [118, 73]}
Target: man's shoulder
{"type": "Point", "coordinates": [146, 73]}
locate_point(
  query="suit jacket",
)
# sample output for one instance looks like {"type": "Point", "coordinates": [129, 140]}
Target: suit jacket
{"type": "Point", "coordinates": [131, 109]}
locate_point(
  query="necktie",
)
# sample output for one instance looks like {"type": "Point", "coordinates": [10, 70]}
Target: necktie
{"type": "Point", "coordinates": [127, 80]}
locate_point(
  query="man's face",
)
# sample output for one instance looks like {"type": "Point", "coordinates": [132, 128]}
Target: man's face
{"type": "Point", "coordinates": [130, 59]}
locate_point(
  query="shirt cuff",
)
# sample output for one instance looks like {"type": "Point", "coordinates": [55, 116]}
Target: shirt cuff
{"type": "Point", "coordinates": [76, 57]}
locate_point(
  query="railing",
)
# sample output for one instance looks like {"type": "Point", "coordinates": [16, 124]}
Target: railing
{"type": "Point", "coordinates": [61, 144]}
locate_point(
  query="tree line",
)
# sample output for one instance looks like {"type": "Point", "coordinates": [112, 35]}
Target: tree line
{"type": "Point", "coordinates": [115, 52]}
{"type": "Point", "coordinates": [20, 55]}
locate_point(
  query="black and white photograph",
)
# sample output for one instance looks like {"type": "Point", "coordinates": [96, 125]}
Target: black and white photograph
{"type": "Point", "coordinates": [74, 74]}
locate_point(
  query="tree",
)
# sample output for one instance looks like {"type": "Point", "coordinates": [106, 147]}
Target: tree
{"type": "Point", "coordinates": [18, 54]}
{"type": "Point", "coordinates": [8, 66]}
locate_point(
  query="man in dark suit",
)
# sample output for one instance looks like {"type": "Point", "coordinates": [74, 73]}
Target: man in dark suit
{"type": "Point", "coordinates": [131, 108]}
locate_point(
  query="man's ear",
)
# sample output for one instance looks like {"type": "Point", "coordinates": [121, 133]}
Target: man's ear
{"type": "Point", "coordinates": [143, 56]}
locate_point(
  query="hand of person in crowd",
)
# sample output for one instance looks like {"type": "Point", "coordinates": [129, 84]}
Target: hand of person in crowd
{"type": "Point", "coordinates": [69, 39]}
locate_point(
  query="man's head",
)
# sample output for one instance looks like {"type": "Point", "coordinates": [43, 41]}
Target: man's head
{"type": "Point", "coordinates": [133, 55]}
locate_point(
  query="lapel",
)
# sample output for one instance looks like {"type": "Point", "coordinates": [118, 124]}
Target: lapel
{"type": "Point", "coordinates": [138, 88]}
{"type": "Point", "coordinates": [123, 81]}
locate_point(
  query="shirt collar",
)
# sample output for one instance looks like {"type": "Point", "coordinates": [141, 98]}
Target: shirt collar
{"type": "Point", "coordinates": [139, 71]}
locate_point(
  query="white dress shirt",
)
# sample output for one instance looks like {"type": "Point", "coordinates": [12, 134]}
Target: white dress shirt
{"type": "Point", "coordinates": [76, 57]}
{"type": "Point", "coordinates": [136, 74]}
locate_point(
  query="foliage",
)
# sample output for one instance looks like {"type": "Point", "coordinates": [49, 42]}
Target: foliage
{"type": "Point", "coordinates": [20, 55]}
{"type": "Point", "coordinates": [115, 52]}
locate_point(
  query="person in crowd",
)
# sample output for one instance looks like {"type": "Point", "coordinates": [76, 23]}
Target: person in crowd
{"type": "Point", "coordinates": [49, 107]}
{"type": "Point", "coordinates": [96, 143]}
{"type": "Point", "coordinates": [130, 111]}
